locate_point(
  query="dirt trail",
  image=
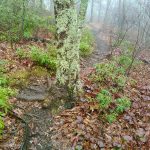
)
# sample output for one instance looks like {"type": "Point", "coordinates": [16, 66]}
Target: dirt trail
{"type": "Point", "coordinates": [101, 46]}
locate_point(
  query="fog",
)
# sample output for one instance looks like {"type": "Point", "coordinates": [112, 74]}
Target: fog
{"type": "Point", "coordinates": [129, 18]}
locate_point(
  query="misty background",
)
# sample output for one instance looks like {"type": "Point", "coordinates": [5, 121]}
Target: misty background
{"type": "Point", "coordinates": [113, 19]}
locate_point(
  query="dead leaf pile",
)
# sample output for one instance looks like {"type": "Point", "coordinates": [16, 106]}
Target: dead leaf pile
{"type": "Point", "coordinates": [78, 127]}
{"type": "Point", "coordinates": [82, 128]}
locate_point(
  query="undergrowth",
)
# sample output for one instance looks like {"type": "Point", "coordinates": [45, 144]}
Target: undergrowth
{"type": "Point", "coordinates": [40, 56]}
{"type": "Point", "coordinates": [5, 93]}
{"type": "Point", "coordinates": [111, 107]}
{"type": "Point", "coordinates": [86, 44]}
{"type": "Point", "coordinates": [48, 57]}
{"type": "Point", "coordinates": [111, 75]}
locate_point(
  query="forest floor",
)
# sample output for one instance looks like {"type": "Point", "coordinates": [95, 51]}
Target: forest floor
{"type": "Point", "coordinates": [54, 127]}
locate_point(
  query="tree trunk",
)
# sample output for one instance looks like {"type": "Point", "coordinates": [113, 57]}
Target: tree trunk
{"type": "Point", "coordinates": [68, 36]}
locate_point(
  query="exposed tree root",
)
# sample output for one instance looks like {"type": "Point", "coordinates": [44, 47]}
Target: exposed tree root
{"type": "Point", "coordinates": [26, 136]}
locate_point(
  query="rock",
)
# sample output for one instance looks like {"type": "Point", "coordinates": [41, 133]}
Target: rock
{"type": "Point", "coordinates": [128, 118]}
{"type": "Point", "coordinates": [135, 105]}
{"type": "Point", "coordinates": [83, 100]}
{"type": "Point", "coordinates": [146, 98]}
{"type": "Point", "coordinates": [33, 93]}
{"type": "Point", "coordinates": [140, 132]}
{"type": "Point", "coordinates": [115, 144]}
{"type": "Point", "coordinates": [127, 138]}
{"type": "Point", "coordinates": [101, 144]}
{"type": "Point", "coordinates": [79, 119]}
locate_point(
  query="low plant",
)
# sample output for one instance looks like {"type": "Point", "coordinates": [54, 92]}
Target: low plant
{"type": "Point", "coordinates": [39, 56]}
{"type": "Point", "coordinates": [43, 58]}
{"type": "Point", "coordinates": [110, 107]}
{"type": "Point", "coordinates": [21, 53]}
{"type": "Point", "coordinates": [120, 81]}
{"type": "Point", "coordinates": [86, 44]}
{"type": "Point", "coordinates": [52, 50]}
{"type": "Point", "coordinates": [113, 76]}
{"type": "Point", "coordinates": [124, 61]}
{"type": "Point", "coordinates": [5, 93]}
{"type": "Point", "coordinates": [104, 98]}
{"type": "Point", "coordinates": [19, 79]}
{"type": "Point", "coordinates": [104, 71]}
{"type": "Point", "coordinates": [110, 73]}
{"type": "Point", "coordinates": [127, 47]}
{"type": "Point", "coordinates": [122, 104]}
{"type": "Point", "coordinates": [112, 117]}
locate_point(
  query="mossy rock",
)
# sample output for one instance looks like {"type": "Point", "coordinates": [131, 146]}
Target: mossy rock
{"type": "Point", "coordinates": [38, 71]}
{"type": "Point", "coordinates": [19, 78]}
{"type": "Point", "coordinates": [22, 77]}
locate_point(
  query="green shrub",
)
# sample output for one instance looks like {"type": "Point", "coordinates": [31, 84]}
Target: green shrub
{"type": "Point", "coordinates": [85, 48]}
{"type": "Point", "coordinates": [113, 107]}
{"type": "Point", "coordinates": [86, 44]}
{"type": "Point", "coordinates": [127, 47]}
{"type": "Point", "coordinates": [3, 80]}
{"type": "Point", "coordinates": [120, 81]}
{"type": "Point", "coordinates": [21, 53]}
{"type": "Point", "coordinates": [111, 117]}
{"type": "Point", "coordinates": [122, 104]}
{"type": "Point", "coordinates": [5, 93]}
{"type": "Point", "coordinates": [112, 73]}
{"type": "Point", "coordinates": [43, 58]}
{"type": "Point", "coordinates": [126, 58]}
{"type": "Point", "coordinates": [124, 61]}
{"type": "Point", "coordinates": [17, 24]}
{"type": "Point", "coordinates": [52, 28]}
{"type": "Point", "coordinates": [104, 98]}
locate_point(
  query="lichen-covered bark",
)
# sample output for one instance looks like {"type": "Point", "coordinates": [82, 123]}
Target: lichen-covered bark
{"type": "Point", "coordinates": [68, 36]}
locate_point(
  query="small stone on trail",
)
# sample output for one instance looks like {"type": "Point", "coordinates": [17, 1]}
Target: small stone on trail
{"type": "Point", "coordinates": [101, 144]}
{"type": "Point", "coordinates": [140, 132]}
{"type": "Point", "coordinates": [127, 138]}
{"type": "Point", "coordinates": [33, 93]}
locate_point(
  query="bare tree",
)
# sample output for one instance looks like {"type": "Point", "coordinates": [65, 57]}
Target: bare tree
{"type": "Point", "coordinates": [92, 10]}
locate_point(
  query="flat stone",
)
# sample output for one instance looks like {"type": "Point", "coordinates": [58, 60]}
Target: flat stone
{"type": "Point", "coordinates": [140, 132]}
{"type": "Point", "coordinates": [117, 144]}
{"type": "Point", "coordinates": [101, 144]}
{"type": "Point", "coordinates": [33, 93]}
{"type": "Point", "coordinates": [128, 138]}
{"type": "Point", "coordinates": [79, 119]}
